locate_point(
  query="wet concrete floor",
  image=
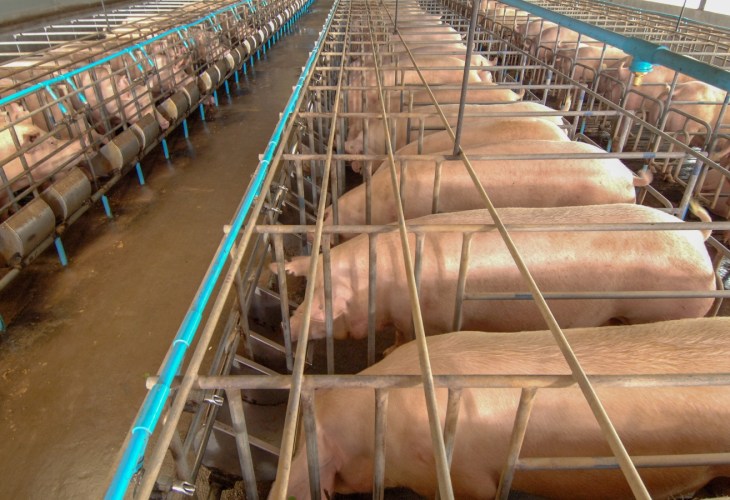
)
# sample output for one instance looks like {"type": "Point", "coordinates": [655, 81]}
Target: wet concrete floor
{"type": "Point", "coordinates": [82, 339]}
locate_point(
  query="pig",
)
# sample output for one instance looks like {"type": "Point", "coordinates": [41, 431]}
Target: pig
{"type": "Point", "coordinates": [407, 75]}
{"type": "Point", "coordinates": [651, 84]}
{"type": "Point", "coordinates": [509, 183]}
{"type": "Point", "coordinates": [716, 183]}
{"type": "Point", "coordinates": [549, 38]}
{"type": "Point", "coordinates": [477, 131]}
{"type": "Point", "coordinates": [455, 50]}
{"type": "Point", "coordinates": [47, 115]}
{"type": "Point", "coordinates": [558, 261]}
{"type": "Point", "coordinates": [689, 131]}
{"type": "Point", "coordinates": [44, 157]}
{"type": "Point", "coordinates": [376, 133]}
{"type": "Point", "coordinates": [533, 28]}
{"type": "Point", "coordinates": [587, 60]}
{"type": "Point", "coordinates": [484, 93]}
{"type": "Point", "coordinates": [649, 421]}
{"type": "Point", "coordinates": [115, 97]}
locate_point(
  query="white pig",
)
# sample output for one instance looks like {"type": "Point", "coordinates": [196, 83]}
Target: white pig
{"type": "Point", "coordinates": [509, 183]}
{"type": "Point", "coordinates": [476, 132]}
{"type": "Point", "coordinates": [559, 262]}
{"type": "Point", "coordinates": [649, 421]}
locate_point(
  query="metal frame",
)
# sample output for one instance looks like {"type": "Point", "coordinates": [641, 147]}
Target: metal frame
{"type": "Point", "coordinates": [144, 63]}
{"type": "Point", "coordinates": [307, 172]}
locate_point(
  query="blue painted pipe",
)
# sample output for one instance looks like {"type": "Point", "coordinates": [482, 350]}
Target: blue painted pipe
{"type": "Point", "coordinates": [156, 399]}
{"type": "Point", "coordinates": [107, 206]}
{"type": "Point", "coordinates": [129, 50]}
{"type": "Point", "coordinates": [140, 174]}
{"type": "Point", "coordinates": [61, 252]}
{"type": "Point", "coordinates": [640, 49]}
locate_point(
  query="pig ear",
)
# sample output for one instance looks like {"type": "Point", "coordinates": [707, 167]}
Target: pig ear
{"type": "Point", "coordinates": [30, 136]}
{"type": "Point", "coordinates": [298, 266]}
{"type": "Point", "coordinates": [123, 83]}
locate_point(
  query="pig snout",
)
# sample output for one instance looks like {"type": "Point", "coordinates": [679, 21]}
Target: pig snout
{"type": "Point", "coordinates": [164, 123]}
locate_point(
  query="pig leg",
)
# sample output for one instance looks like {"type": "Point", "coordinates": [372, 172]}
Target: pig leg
{"type": "Point", "coordinates": [329, 463]}
{"type": "Point", "coordinates": [400, 339]}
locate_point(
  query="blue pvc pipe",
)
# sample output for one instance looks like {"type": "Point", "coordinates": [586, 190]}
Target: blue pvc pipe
{"type": "Point", "coordinates": [138, 46]}
{"type": "Point", "coordinates": [165, 150]}
{"type": "Point", "coordinates": [61, 251]}
{"type": "Point", "coordinates": [154, 403]}
{"type": "Point", "coordinates": [107, 207]}
{"type": "Point", "coordinates": [640, 49]}
{"type": "Point", "coordinates": [140, 174]}
{"type": "Point", "coordinates": [185, 128]}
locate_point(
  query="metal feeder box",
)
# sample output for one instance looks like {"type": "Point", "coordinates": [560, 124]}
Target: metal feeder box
{"type": "Point", "coordinates": [192, 93]}
{"type": "Point", "coordinates": [147, 130]}
{"type": "Point", "coordinates": [249, 44]}
{"type": "Point", "coordinates": [68, 195]}
{"type": "Point", "coordinates": [233, 59]}
{"type": "Point", "coordinates": [175, 106]}
{"type": "Point", "coordinates": [205, 81]}
{"type": "Point", "coordinates": [122, 150]}
{"type": "Point", "coordinates": [25, 230]}
{"type": "Point", "coordinates": [222, 68]}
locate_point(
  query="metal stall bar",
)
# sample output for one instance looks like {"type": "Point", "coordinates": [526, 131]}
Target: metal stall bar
{"type": "Point", "coordinates": [437, 438]}
{"type": "Point", "coordinates": [151, 411]}
{"type": "Point", "coordinates": [641, 49]}
{"type": "Point", "coordinates": [295, 393]}
{"type": "Point", "coordinates": [61, 78]}
{"type": "Point", "coordinates": [599, 412]}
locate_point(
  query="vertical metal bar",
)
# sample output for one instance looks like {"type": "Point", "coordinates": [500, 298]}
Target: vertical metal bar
{"type": "Point", "coordinates": [381, 419]}
{"type": "Point", "coordinates": [437, 187]}
{"type": "Point", "coordinates": [452, 418]}
{"type": "Point", "coordinates": [372, 294]}
{"type": "Point", "coordinates": [310, 430]}
{"type": "Point", "coordinates": [465, 79]}
{"type": "Point", "coordinates": [182, 467]}
{"type": "Point", "coordinates": [283, 298]}
{"type": "Point", "coordinates": [329, 321]}
{"type": "Point", "coordinates": [238, 421]}
{"type": "Point", "coordinates": [461, 283]}
{"type": "Point", "coordinates": [444, 479]}
{"type": "Point", "coordinates": [527, 398]}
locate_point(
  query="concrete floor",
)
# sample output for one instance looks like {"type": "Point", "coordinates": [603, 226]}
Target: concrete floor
{"type": "Point", "coordinates": [82, 339]}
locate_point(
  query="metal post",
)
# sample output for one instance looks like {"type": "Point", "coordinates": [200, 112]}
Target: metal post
{"type": "Point", "coordinates": [238, 420]}
{"type": "Point", "coordinates": [381, 420]}
{"type": "Point", "coordinates": [465, 80]}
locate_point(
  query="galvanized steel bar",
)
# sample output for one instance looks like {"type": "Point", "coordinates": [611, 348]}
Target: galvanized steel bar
{"type": "Point", "coordinates": [519, 429]}
{"type": "Point", "coordinates": [442, 470]}
{"type": "Point", "coordinates": [287, 441]}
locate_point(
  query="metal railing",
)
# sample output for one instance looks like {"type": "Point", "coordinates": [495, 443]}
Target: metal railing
{"type": "Point", "coordinates": [354, 83]}
{"type": "Point", "coordinates": [77, 117]}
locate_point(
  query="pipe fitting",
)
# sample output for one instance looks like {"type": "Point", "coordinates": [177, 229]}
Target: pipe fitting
{"type": "Point", "coordinates": [640, 68]}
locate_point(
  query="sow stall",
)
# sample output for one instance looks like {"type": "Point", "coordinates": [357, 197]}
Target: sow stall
{"type": "Point", "coordinates": [244, 356]}
{"type": "Point", "coordinates": [83, 107]}
{"type": "Point", "coordinates": [698, 120]}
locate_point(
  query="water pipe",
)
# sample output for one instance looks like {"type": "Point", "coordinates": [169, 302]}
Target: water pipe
{"type": "Point", "coordinates": [642, 50]}
{"type": "Point", "coordinates": [154, 403]}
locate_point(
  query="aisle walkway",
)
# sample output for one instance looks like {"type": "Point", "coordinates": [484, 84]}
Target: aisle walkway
{"type": "Point", "coordinates": [83, 339]}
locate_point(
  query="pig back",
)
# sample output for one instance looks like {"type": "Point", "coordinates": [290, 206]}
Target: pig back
{"type": "Point", "coordinates": [559, 262]}
{"type": "Point", "coordinates": [649, 420]}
